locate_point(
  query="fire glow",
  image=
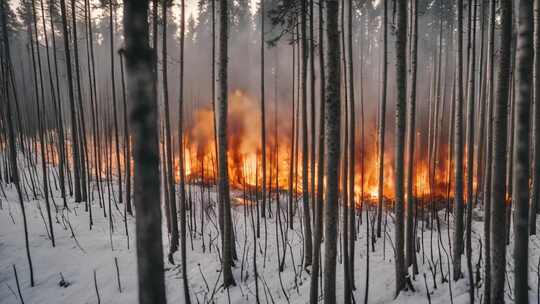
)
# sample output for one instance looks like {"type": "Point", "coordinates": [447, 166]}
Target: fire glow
{"type": "Point", "coordinates": [244, 153]}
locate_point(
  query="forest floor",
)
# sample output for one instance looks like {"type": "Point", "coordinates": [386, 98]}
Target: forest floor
{"type": "Point", "coordinates": [90, 252]}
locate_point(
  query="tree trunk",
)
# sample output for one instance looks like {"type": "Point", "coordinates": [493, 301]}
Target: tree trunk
{"type": "Point", "coordinates": [535, 190]}
{"type": "Point", "coordinates": [308, 247]}
{"type": "Point", "coordinates": [410, 250]}
{"type": "Point", "coordinates": [318, 215]}
{"type": "Point", "coordinates": [73, 114]}
{"type": "Point", "coordinates": [382, 117]}
{"type": "Point", "coordinates": [521, 149]}
{"type": "Point", "coordinates": [470, 147]}
{"type": "Point", "coordinates": [143, 116]}
{"type": "Point", "coordinates": [11, 135]}
{"type": "Point", "coordinates": [181, 160]}
{"type": "Point", "coordinates": [263, 119]}
{"type": "Point", "coordinates": [401, 81]}
{"type": "Point", "coordinates": [498, 181]}
{"type": "Point", "coordinates": [168, 144]}
{"type": "Point", "coordinates": [458, 151]}
{"type": "Point", "coordinates": [115, 106]}
{"type": "Point", "coordinates": [489, 155]}
{"type": "Point", "coordinates": [332, 138]}
{"type": "Point", "coordinates": [352, 144]}
{"type": "Point", "coordinates": [224, 198]}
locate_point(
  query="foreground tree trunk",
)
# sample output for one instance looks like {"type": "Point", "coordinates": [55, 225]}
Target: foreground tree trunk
{"type": "Point", "coordinates": [535, 190]}
{"type": "Point", "coordinates": [168, 142]}
{"type": "Point", "coordinates": [73, 114]}
{"type": "Point", "coordinates": [15, 178]}
{"type": "Point", "coordinates": [401, 80]}
{"type": "Point", "coordinates": [223, 185]}
{"type": "Point", "coordinates": [263, 120]}
{"type": "Point", "coordinates": [308, 246]}
{"type": "Point", "coordinates": [382, 117]}
{"type": "Point", "coordinates": [489, 155]}
{"type": "Point", "coordinates": [143, 122]}
{"type": "Point", "coordinates": [411, 112]}
{"type": "Point", "coordinates": [332, 137]}
{"type": "Point", "coordinates": [318, 215]}
{"type": "Point", "coordinates": [458, 151]}
{"type": "Point", "coordinates": [498, 181]}
{"type": "Point", "coordinates": [181, 160]}
{"type": "Point", "coordinates": [521, 149]}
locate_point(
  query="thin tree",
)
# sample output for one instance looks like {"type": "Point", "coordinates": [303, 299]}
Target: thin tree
{"type": "Point", "coordinates": [15, 178]}
{"type": "Point", "coordinates": [332, 138]}
{"type": "Point", "coordinates": [263, 120]}
{"type": "Point", "coordinates": [352, 144]}
{"type": "Point", "coordinates": [535, 190]}
{"type": "Point", "coordinates": [115, 106]}
{"type": "Point", "coordinates": [411, 113]}
{"type": "Point", "coordinates": [71, 96]}
{"type": "Point", "coordinates": [500, 140]}
{"type": "Point", "coordinates": [318, 215]}
{"type": "Point", "coordinates": [168, 144]}
{"type": "Point", "coordinates": [382, 118]}
{"type": "Point", "coordinates": [524, 63]}
{"type": "Point", "coordinates": [223, 185]}
{"type": "Point", "coordinates": [458, 150]}
{"type": "Point", "coordinates": [401, 80]}
{"type": "Point", "coordinates": [308, 245]}
{"type": "Point", "coordinates": [489, 147]}
{"type": "Point", "coordinates": [470, 146]}
{"type": "Point", "coordinates": [182, 191]}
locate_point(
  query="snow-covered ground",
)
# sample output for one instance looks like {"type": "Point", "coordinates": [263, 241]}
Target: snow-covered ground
{"type": "Point", "coordinates": [77, 259]}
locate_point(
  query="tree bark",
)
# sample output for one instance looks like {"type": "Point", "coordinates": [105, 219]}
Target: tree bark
{"type": "Point", "coordinates": [318, 215]}
{"type": "Point", "coordinates": [401, 81]}
{"type": "Point", "coordinates": [521, 149]}
{"type": "Point", "coordinates": [535, 190]}
{"type": "Point", "coordinates": [224, 198]}
{"type": "Point", "coordinates": [410, 249]}
{"type": "Point", "coordinates": [458, 151]}
{"type": "Point", "coordinates": [332, 138]}
{"type": "Point", "coordinates": [308, 245]}
{"type": "Point", "coordinates": [382, 117]}
{"type": "Point", "coordinates": [498, 181]}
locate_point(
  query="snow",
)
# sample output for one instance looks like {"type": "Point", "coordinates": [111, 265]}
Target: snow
{"type": "Point", "coordinates": [77, 264]}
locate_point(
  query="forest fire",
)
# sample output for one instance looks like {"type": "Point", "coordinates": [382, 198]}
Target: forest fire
{"type": "Point", "coordinates": [245, 166]}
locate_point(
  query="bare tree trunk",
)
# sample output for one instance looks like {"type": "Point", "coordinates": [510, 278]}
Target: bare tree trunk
{"type": "Point", "coordinates": [318, 215]}
{"type": "Point", "coordinates": [470, 146]}
{"type": "Point", "coordinates": [127, 142]}
{"type": "Point", "coordinates": [169, 162]}
{"type": "Point", "coordinates": [81, 126]}
{"type": "Point", "coordinates": [139, 67]}
{"type": "Point", "coordinates": [41, 127]}
{"type": "Point", "coordinates": [521, 149]}
{"type": "Point", "coordinates": [113, 92]}
{"type": "Point", "coordinates": [498, 181]}
{"type": "Point", "coordinates": [535, 190]}
{"type": "Point", "coordinates": [224, 198]}
{"type": "Point", "coordinates": [263, 119]}
{"type": "Point", "coordinates": [382, 117]}
{"type": "Point", "coordinates": [489, 155]}
{"type": "Point", "coordinates": [181, 160]}
{"type": "Point", "coordinates": [73, 114]}
{"type": "Point", "coordinates": [332, 138]}
{"type": "Point", "coordinates": [458, 151]}
{"type": "Point", "coordinates": [308, 246]}
{"type": "Point", "coordinates": [352, 144]}
{"type": "Point", "coordinates": [401, 81]}
{"type": "Point", "coordinates": [11, 135]}
{"type": "Point", "coordinates": [410, 249]}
